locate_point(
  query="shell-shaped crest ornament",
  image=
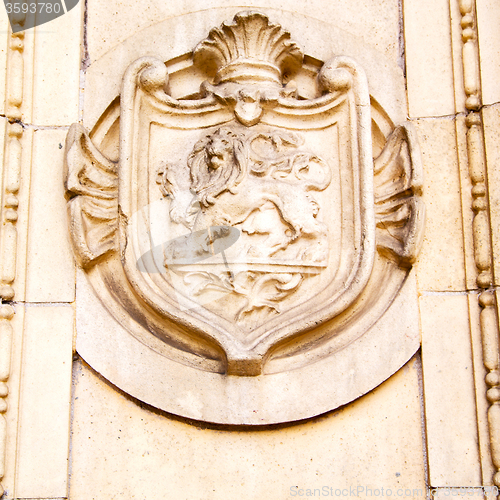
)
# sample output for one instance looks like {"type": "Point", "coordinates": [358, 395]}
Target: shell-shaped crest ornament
{"type": "Point", "coordinates": [250, 243]}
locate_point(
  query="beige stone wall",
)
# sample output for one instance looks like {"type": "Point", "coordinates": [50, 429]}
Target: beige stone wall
{"type": "Point", "coordinates": [66, 432]}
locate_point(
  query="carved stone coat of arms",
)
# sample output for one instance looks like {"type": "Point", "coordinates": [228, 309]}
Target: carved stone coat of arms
{"type": "Point", "coordinates": [246, 231]}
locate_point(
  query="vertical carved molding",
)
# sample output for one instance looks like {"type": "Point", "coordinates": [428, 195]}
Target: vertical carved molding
{"type": "Point", "coordinates": [481, 226]}
{"type": "Point", "coordinates": [10, 204]}
{"type": "Point", "coordinates": [6, 315]}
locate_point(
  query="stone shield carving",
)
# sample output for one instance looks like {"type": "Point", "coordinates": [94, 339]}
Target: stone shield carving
{"type": "Point", "coordinates": [244, 235]}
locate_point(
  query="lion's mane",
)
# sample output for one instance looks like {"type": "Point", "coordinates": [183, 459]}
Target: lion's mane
{"type": "Point", "coordinates": [208, 183]}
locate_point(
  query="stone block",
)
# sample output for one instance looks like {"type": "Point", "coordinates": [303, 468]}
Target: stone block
{"type": "Point", "coordinates": [375, 22]}
{"type": "Point", "coordinates": [121, 448]}
{"type": "Point", "coordinates": [440, 265]}
{"type": "Point", "coordinates": [50, 271]}
{"type": "Point", "coordinates": [44, 406]}
{"type": "Point", "coordinates": [57, 70]}
{"type": "Point", "coordinates": [429, 67]}
{"type": "Point", "coordinates": [449, 392]}
{"type": "Point", "coordinates": [491, 117]}
{"type": "Point", "coordinates": [488, 19]}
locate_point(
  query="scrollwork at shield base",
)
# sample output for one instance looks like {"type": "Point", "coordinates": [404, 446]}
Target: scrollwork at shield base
{"type": "Point", "coordinates": [246, 232]}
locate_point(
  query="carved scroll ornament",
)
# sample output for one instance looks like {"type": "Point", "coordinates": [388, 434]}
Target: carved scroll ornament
{"type": "Point", "coordinates": [246, 230]}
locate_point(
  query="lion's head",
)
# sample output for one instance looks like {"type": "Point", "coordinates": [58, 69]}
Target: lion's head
{"type": "Point", "coordinates": [217, 164]}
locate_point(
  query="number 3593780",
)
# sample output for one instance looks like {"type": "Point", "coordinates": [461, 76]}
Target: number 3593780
{"type": "Point", "coordinates": [33, 7]}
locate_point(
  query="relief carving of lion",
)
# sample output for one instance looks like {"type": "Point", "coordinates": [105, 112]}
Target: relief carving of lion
{"type": "Point", "coordinates": [230, 187]}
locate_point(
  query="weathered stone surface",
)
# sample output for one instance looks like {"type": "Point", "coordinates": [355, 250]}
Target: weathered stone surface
{"type": "Point", "coordinates": [44, 419]}
{"type": "Point", "coordinates": [50, 273]}
{"type": "Point", "coordinates": [429, 66]}
{"type": "Point", "coordinates": [119, 448]}
{"type": "Point", "coordinates": [57, 70]}
{"type": "Point", "coordinates": [253, 240]}
{"type": "Point", "coordinates": [488, 17]}
{"type": "Point", "coordinates": [440, 264]}
{"type": "Point", "coordinates": [491, 115]}
{"type": "Point", "coordinates": [375, 23]}
{"type": "Point", "coordinates": [450, 411]}
{"type": "Point", "coordinates": [393, 428]}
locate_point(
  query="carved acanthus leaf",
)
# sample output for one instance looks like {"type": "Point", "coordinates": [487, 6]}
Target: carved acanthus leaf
{"type": "Point", "coordinates": [92, 188]}
{"type": "Point", "coordinates": [399, 209]}
{"type": "Point", "coordinates": [257, 290]}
